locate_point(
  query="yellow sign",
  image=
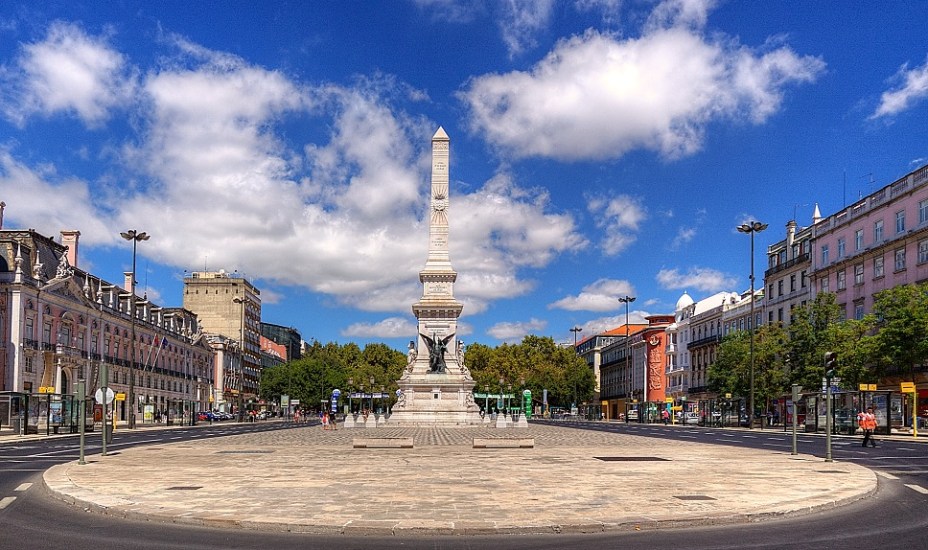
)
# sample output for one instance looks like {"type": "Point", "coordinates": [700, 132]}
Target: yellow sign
{"type": "Point", "coordinates": [668, 400]}
{"type": "Point", "coordinates": [47, 389]}
{"type": "Point", "coordinates": [907, 387]}
{"type": "Point", "coordinates": [867, 387]}
{"type": "Point", "coordinates": [677, 408]}
{"type": "Point", "coordinates": [120, 396]}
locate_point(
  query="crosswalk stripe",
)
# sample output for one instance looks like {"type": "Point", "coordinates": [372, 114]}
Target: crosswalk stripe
{"type": "Point", "coordinates": [5, 501]}
{"type": "Point", "coordinates": [23, 487]}
{"type": "Point", "coordinates": [917, 488]}
{"type": "Point", "coordinates": [886, 475]}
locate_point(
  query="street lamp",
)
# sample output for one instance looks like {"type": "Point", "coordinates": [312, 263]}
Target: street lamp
{"type": "Point", "coordinates": [499, 402]}
{"type": "Point", "coordinates": [135, 237]}
{"type": "Point", "coordinates": [350, 386]}
{"type": "Point", "coordinates": [486, 400]}
{"type": "Point", "coordinates": [628, 367]}
{"type": "Point", "coordinates": [372, 393]}
{"type": "Point", "coordinates": [383, 410]}
{"type": "Point", "coordinates": [241, 365]}
{"type": "Point", "coordinates": [575, 330]}
{"type": "Point", "coordinates": [751, 228]}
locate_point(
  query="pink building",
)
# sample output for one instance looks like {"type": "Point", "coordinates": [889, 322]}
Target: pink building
{"type": "Point", "coordinates": [879, 242]}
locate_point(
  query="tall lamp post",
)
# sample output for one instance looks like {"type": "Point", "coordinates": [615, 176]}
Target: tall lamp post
{"type": "Point", "coordinates": [350, 388]}
{"type": "Point", "coordinates": [372, 394]}
{"type": "Point", "coordinates": [575, 330]}
{"type": "Point", "coordinates": [241, 365]}
{"type": "Point", "coordinates": [628, 365]}
{"type": "Point", "coordinates": [135, 237]}
{"type": "Point", "coordinates": [751, 228]}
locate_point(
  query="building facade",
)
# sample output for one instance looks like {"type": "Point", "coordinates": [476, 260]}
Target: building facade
{"type": "Point", "coordinates": [60, 324]}
{"type": "Point", "coordinates": [229, 306]}
{"type": "Point", "coordinates": [788, 279]}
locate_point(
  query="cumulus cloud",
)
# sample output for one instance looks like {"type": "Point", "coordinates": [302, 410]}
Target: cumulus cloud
{"type": "Point", "coordinates": [596, 96]}
{"type": "Point", "coordinates": [699, 278]}
{"type": "Point", "coordinates": [605, 324]}
{"type": "Point", "coordinates": [391, 327]}
{"type": "Point", "coordinates": [516, 331]}
{"type": "Point", "coordinates": [520, 21]}
{"type": "Point", "coordinates": [211, 174]}
{"type": "Point", "coordinates": [620, 219]}
{"type": "Point", "coordinates": [601, 295]}
{"type": "Point", "coordinates": [913, 88]}
{"type": "Point", "coordinates": [69, 71]}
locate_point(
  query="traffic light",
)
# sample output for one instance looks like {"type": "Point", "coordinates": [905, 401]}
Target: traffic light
{"type": "Point", "coordinates": [831, 362]}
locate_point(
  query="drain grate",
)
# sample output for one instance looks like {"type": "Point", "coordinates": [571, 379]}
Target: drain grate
{"type": "Point", "coordinates": [184, 488]}
{"type": "Point", "coordinates": [693, 497]}
{"type": "Point", "coordinates": [244, 452]}
{"type": "Point", "coordinates": [630, 458]}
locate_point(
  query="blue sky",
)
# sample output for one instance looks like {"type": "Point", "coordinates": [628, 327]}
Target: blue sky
{"type": "Point", "coordinates": [598, 148]}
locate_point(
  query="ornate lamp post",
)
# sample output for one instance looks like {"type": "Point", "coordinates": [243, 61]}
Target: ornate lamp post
{"type": "Point", "coordinates": [350, 387]}
{"type": "Point", "coordinates": [628, 365]}
{"type": "Point", "coordinates": [575, 330]}
{"type": "Point", "coordinates": [241, 365]}
{"type": "Point", "coordinates": [751, 228]}
{"type": "Point", "coordinates": [135, 237]}
{"type": "Point", "coordinates": [486, 399]}
{"type": "Point", "coordinates": [372, 393]}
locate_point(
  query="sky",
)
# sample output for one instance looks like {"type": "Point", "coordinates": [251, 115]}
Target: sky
{"type": "Point", "coordinates": [599, 148]}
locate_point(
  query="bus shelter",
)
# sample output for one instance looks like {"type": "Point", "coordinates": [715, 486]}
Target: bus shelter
{"type": "Point", "coordinates": [813, 407]}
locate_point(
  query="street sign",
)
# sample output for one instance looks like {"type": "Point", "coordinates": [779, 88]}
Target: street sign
{"type": "Point", "coordinates": [110, 395]}
{"type": "Point", "coordinates": [668, 400]}
{"type": "Point", "coordinates": [120, 396]}
{"type": "Point", "coordinates": [907, 387]}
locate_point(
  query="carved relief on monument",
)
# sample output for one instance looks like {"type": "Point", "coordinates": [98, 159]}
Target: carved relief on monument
{"type": "Point", "coordinates": [655, 364]}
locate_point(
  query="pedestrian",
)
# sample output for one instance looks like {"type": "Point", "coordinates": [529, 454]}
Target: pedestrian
{"type": "Point", "coordinates": [665, 416]}
{"type": "Point", "coordinates": [866, 420]}
{"type": "Point", "coordinates": [325, 421]}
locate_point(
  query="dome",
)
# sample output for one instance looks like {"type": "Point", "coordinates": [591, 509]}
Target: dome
{"type": "Point", "coordinates": [684, 302]}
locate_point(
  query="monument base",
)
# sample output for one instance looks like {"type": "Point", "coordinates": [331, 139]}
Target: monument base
{"type": "Point", "coordinates": [436, 399]}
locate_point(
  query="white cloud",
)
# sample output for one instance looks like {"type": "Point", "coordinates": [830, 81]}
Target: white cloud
{"type": "Point", "coordinates": [913, 88]}
{"type": "Point", "coordinates": [391, 327]}
{"type": "Point", "coordinates": [684, 235]}
{"type": "Point", "coordinates": [521, 20]}
{"type": "Point", "coordinates": [605, 324]}
{"type": "Point", "coordinates": [600, 295]}
{"type": "Point", "coordinates": [699, 278]}
{"type": "Point", "coordinates": [620, 219]}
{"type": "Point", "coordinates": [596, 96]}
{"type": "Point", "coordinates": [516, 331]}
{"type": "Point", "coordinates": [210, 174]}
{"type": "Point", "coordinates": [67, 72]}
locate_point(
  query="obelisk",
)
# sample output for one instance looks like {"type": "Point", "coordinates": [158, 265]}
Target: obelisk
{"type": "Point", "coordinates": [436, 388]}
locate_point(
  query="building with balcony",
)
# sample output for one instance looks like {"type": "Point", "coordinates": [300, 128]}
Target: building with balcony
{"type": "Point", "coordinates": [60, 324]}
{"type": "Point", "coordinates": [787, 279]}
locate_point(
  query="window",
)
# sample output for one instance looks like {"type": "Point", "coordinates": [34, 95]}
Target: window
{"type": "Point", "coordinates": [825, 254]}
{"type": "Point", "coordinates": [878, 232]}
{"type": "Point", "coordinates": [878, 267]}
{"type": "Point", "coordinates": [802, 278]}
{"type": "Point", "coordinates": [841, 248]}
{"type": "Point", "coordinates": [792, 283]}
{"type": "Point", "coordinates": [900, 221]}
{"type": "Point", "coordinates": [47, 333]}
{"type": "Point", "coordinates": [770, 291]}
{"type": "Point", "coordinates": [858, 311]}
{"type": "Point", "coordinates": [859, 274]}
{"type": "Point", "coordinates": [900, 260]}
{"type": "Point", "coordinates": [923, 251]}
{"type": "Point", "coordinates": [923, 211]}
{"type": "Point", "coordinates": [824, 283]}
{"type": "Point", "coordinates": [859, 240]}
{"type": "Point", "coordinates": [842, 281]}
{"type": "Point", "coordinates": [30, 328]}
{"type": "Point", "coordinates": [780, 287]}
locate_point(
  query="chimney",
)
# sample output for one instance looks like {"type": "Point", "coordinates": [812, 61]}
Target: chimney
{"type": "Point", "coordinates": [69, 239]}
{"type": "Point", "coordinates": [2, 206]}
{"type": "Point", "coordinates": [790, 237]}
{"type": "Point", "coordinates": [128, 286]}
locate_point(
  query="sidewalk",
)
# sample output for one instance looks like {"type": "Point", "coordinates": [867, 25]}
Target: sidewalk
{"type": "Point", "coordinates": [309, 480]}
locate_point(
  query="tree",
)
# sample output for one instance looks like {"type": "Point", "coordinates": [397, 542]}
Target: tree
{"type": "Point", "coordinates": [810, 335]}
{"type": "Point", "coordinates": [731, 371]}
{"type": "Point", "coordinates": [902, 319]}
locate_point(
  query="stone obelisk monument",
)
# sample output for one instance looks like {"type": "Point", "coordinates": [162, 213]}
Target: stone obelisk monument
{"type": "Point", "coordinates": [436, 388]}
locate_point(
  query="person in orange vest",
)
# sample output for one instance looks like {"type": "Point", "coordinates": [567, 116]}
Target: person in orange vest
{"type": "Point", "coordinates": [867, 422]}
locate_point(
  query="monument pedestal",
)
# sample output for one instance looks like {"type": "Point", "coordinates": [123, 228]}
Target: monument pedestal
{"type": "Point", "coordinates": [436, 399]}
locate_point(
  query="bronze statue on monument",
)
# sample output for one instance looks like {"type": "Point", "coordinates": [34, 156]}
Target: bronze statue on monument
{"type": "Point", "coordinates": [437, 348]}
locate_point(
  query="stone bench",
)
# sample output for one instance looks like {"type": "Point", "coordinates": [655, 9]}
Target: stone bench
{"type": "Point", "coordinates": [382, 443]}
{"type": "Point", "coordinates": [504, 443]}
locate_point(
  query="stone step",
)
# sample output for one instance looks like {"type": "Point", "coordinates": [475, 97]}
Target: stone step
{"type": "Point", "coordinates": [382, 443]}
{"type": "Point", "coordinates": [504, 443]}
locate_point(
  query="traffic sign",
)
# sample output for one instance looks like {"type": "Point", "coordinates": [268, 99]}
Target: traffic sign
{"type": "Point", "coordinates": [867, 387]}
{"type": "Point", "coordinates": [120, 396]}
{"type": "Point", "coordinates": [668, 400]}
{"type": "Point", "coordinates": [907, 387]}
{"type": "Point", "coordinates": [109, 395]}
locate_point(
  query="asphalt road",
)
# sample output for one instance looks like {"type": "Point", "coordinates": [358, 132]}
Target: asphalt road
{"type": "Point", "coordinates": [894, 518]}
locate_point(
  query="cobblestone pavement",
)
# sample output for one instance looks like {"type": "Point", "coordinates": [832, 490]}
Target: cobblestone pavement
{"type": "Point", "coordinates": [310, 480]}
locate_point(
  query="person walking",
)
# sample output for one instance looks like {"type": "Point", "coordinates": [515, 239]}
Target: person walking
{"type": "Point", "coordinates": [866, 420]}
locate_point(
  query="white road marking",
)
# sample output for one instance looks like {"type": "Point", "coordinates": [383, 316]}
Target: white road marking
{"type": "Point", "coordinates": [749, 436]}
{"type": "Point", "coordinates": [886, 475]}
{"type": "Point", "coordinates": [917, 488]}
{"type": "Point", "coordinates": [23, 487]}
{"type": "Point", "coordinates": [5, 501]}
